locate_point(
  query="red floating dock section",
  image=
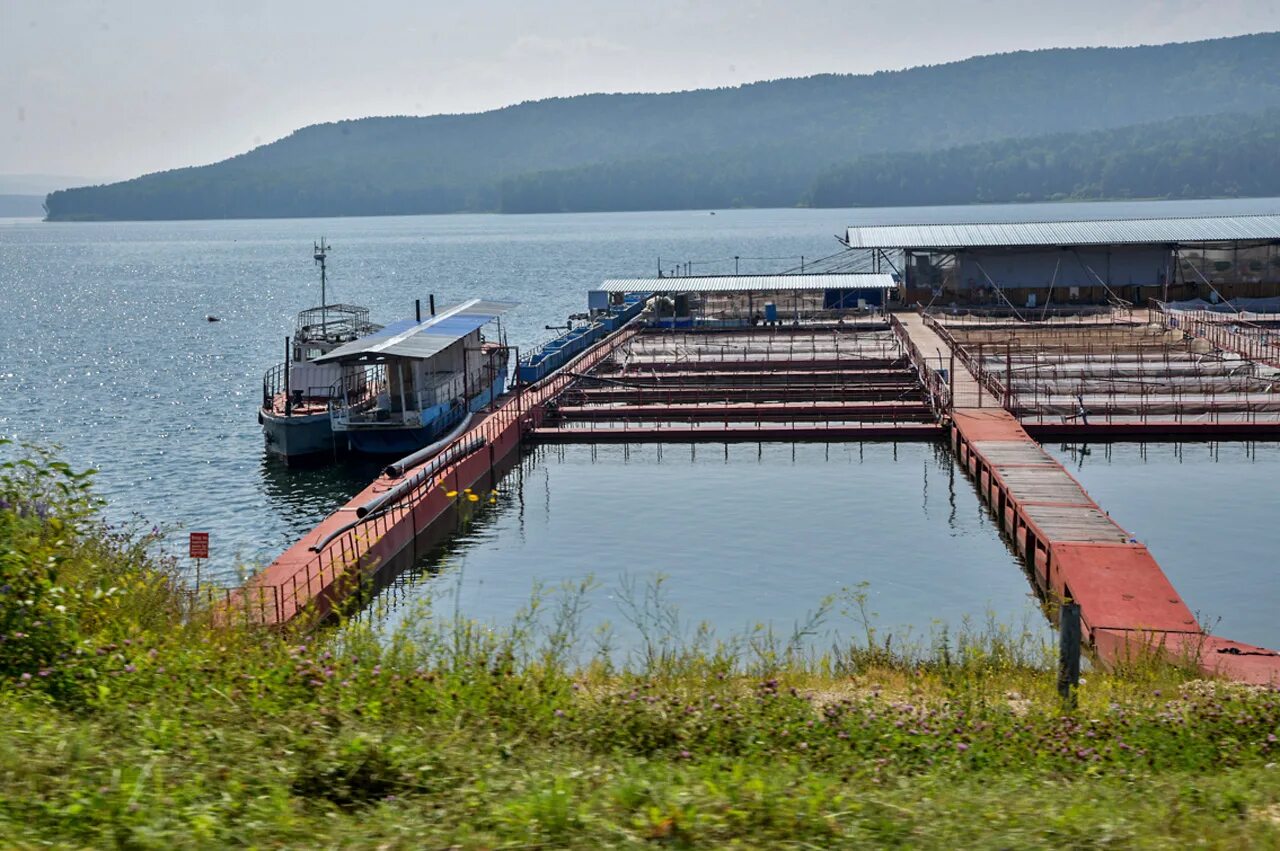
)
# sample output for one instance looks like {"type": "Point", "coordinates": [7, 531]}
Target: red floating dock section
{"type": "Point", "coordinates": [1076, 551]}
{"type": "Point", "coordinates": [336, 559]}
{"type": "Point", "coordinates": [718, 432]}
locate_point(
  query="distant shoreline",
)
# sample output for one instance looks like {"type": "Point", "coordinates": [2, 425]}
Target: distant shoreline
{"type": "Point", "coordinates": [690, 210]}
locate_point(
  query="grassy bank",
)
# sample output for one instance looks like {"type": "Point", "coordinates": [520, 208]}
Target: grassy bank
{"type": "Point", "coordinates": [128, 719]}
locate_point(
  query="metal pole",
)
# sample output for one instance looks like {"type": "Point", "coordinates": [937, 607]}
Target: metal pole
{"type": "Point", "coordinates": [1069, 653]}
{"type": "Point", "coordinates": [1008, 374]}
{"type": "Point", "coordinates": [417, 310]}
{"type": "Point", "coordinates": [288, 405]}
{"type": "Point", "coordinates": [403, 405]}
{"type": "Point", "coordinates": [431, 303]}
{"type": "Point", "coordinates": [979, 375]}
{"type": "Point", "coordinates": [951, 379]}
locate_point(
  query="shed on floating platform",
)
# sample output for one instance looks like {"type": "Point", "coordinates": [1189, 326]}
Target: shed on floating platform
{"type": "Point", "coordinates": [838, 291]}
{"type": "Point", "coordinates": [1083, 261]}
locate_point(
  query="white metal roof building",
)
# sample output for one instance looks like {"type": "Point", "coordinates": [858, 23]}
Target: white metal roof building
{"type": "Point", "coordinates": [750, 283]}
{"type": "Point", "coordinates": [1171, 231]}
{"type": "Point", "coordinates": [728, 297]}
{"type": "Point", "coordinates": [1082, 260]}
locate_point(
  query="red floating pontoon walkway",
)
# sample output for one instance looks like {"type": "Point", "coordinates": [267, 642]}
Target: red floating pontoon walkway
{"type": "Point", "coordinates": [1076, 551]}
{"type": "Point", "coordinates": [329, 562]}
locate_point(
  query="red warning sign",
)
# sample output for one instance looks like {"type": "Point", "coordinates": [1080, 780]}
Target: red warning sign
{"type": "Point", "coordinates": [199, 545]}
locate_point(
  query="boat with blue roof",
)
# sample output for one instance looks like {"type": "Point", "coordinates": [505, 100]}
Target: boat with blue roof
{"type": "Point", "coordinates": [412, 382]}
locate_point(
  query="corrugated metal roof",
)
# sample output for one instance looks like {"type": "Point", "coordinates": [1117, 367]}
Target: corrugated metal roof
{"type": "Point", "coordinates": [396, 326]}
{"type": "Point", "coordinates": [422, 339]}
{"type": "Point", "coordinates": [1097, 232]}
{"type": "Point", "coordinates": [750, 283]}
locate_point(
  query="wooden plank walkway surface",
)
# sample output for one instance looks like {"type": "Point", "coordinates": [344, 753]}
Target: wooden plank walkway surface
{"type": "Point", "coordinates": [1073, 547]}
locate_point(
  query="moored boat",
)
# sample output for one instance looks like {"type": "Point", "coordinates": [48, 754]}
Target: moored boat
{"type": "Point", "coordinates": [404, 387]}
{"type": "Point", "coordinates": [296, 393]}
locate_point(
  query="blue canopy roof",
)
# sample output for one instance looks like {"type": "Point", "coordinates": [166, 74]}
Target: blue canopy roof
{"type": "Point", "coordinates": [408, 339]}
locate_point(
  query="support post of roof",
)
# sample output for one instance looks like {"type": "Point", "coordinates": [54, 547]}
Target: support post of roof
{"type": "Point", "coordinates": [288, 405]}
{"type": "Point", "coordinates": [400, 363]}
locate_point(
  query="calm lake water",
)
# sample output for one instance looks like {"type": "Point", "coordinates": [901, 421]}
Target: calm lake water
{"type": "Point", "coordinates": [104, 350]}
{"type": "Point", "coordinates": [741, 534]}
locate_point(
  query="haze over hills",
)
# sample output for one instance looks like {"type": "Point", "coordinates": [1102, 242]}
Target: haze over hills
{"type": "Point", "coordinates": [946, 133]}
{"type": "Point", "coordinates": [23, 195]}
{"type": "Point", "coordinates": [40, 184]}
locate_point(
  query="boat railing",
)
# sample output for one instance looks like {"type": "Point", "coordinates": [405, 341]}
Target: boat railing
{"type": "Point", "coordinates": [355, 397]}
{"type": "Point", "coordinates": [440, 387]}
{"type": "Point", "coordinates": [272, 385]}
{"type": "Point", "coordinates": [334, 321]}
{"type": "Point", "coordinates": [276, 385]}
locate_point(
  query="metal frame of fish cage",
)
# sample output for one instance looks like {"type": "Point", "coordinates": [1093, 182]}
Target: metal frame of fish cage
{"type": "Point", "coordinates": [1132, 374]}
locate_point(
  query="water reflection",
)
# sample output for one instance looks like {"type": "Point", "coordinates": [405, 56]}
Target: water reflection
{"type": "Point", "coordinates": [744, 534]}
{"type": "Point", "coordinates": [309, 492]}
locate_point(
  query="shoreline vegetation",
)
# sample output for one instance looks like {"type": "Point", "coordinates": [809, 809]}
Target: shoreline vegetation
{"type": "Point", "coordinates": [695, 210]}
{"type": "Point", "coordinates": [131, 717]}
{"type": "Point", "coordinates": [1197, 119]}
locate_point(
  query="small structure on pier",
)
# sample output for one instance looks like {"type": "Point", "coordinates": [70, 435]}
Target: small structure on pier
{"type": "Point", "coordinates": [1023, 265]}
{"type": "Point", "coordinates": [736, 300]}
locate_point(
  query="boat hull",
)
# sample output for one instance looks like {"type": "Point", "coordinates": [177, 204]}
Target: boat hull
{"type": "Point", "coordinates": [391, 440]}
{"type": "Point", "coordinates": [298, 437]}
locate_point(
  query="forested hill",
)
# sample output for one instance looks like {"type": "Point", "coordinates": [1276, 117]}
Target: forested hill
{"type": "Point", "coordinates": [759, 144]}
{"type": "Point", "coordinates": [1225, 155]}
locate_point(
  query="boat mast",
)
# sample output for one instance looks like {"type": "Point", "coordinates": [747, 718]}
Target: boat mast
{"type": "Point", "coordinates": [321, 254]}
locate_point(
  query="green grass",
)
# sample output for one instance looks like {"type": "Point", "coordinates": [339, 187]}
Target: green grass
{"type": "Point", "coordinates": [153, 727]}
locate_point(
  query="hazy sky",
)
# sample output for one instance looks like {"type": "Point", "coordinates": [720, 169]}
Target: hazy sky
{"type": "Point", "coordinates": [118, 88]}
